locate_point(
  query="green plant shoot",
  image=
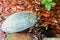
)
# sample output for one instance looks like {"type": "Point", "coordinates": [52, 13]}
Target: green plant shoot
{"type": "Point", "coordinates": [48, 4]}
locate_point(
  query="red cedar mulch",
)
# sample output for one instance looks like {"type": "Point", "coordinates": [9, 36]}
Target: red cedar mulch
{"type": "Point", "coordinates": [52, 18]}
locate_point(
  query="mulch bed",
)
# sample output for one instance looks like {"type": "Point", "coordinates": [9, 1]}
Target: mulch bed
{"type": "Point", "coordinates": [50, 20]}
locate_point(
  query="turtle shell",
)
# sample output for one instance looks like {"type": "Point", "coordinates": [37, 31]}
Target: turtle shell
{"type": "Point", "coordinates": [19, 21]}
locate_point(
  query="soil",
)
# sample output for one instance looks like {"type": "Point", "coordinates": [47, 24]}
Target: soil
{"type": "Point", "coordinates": [49, 23]}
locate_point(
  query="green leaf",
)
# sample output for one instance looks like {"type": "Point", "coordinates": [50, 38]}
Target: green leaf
{"type": "Point", "coordinates": [53, 4]}
{"type": "Point", "coordinates": [48, 7]}
{"type": "Point", "coordinates": [43, 1]}
{"type": "Point", "coordinates": [8, 37]}
{"type": "Point", "coordinates": [49, 0]}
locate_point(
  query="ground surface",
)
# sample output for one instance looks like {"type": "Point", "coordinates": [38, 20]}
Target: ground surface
{"type": "Point", "coordinates": [48, 18]}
